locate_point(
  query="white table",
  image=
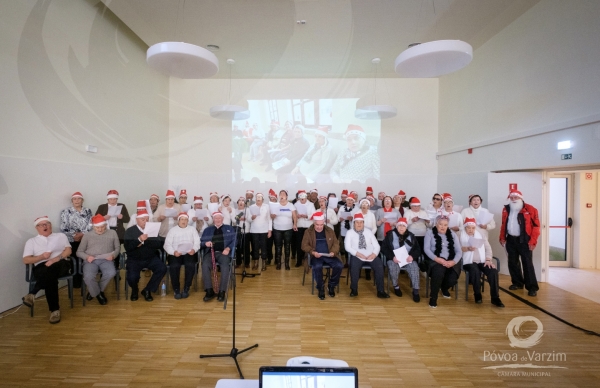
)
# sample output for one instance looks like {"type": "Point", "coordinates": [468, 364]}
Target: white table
{"type": "Point", "coordinates": [236, 383]}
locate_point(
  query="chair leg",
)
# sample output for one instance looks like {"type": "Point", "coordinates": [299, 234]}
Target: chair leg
{"type": "Point", "coordinates": [467, 286]}
{"type": "Point", "coordinates": [426, 286]}
{"type": "Point", "coordinates": [83, 293]}
{"type": "Point", "coordinates": [126, 290]}
{"type": "Point", "coordinates": [482, 281]}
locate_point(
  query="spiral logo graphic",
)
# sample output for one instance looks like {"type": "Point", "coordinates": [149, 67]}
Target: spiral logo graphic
{"type": "Point", "coordinates": [512, 331]}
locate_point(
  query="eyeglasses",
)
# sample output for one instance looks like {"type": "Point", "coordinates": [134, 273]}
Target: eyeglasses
{"type": "Point", "coordinates": [437, 199]}
{"type": "Point", "coordinates": [42, 225]}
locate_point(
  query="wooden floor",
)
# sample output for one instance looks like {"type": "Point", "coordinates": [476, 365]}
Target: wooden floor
{"type": "Point", "coordinates": [393, 342]}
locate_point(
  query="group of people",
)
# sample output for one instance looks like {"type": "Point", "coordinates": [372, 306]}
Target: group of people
{"type": "Point", "coordinates": [286, 150]}
{"type": "Point", "coordinates": [370, 233]}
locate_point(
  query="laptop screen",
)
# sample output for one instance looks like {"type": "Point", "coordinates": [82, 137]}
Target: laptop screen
{"type": "Point", "coordinates": [307, 377]}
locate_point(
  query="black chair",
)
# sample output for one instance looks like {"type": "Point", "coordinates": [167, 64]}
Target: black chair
{"type": "Point", "coordinates": [327, 275]}
{"type": "Point", "coordinates": [29, 278]}
{"type": "Point", "coordinates": [117, 278]}
{"type": "Point", "coordinates": [483, 279]}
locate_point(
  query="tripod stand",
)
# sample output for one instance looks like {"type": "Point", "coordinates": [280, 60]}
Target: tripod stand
{"type": "Point", "coordinates": [244, 237]}
{"type": "Point", "coordinates": [234, 351]}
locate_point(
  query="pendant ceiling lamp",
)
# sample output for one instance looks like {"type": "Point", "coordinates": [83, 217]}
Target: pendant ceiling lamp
{"type": "Point", "coordinates": [433, 59]}
{"type": "Point", "coordinates": [182, 60]}
{"type": "Point", "coordinates": [228, 111]}
{"type": "Point", "coordinates": [375, 111]}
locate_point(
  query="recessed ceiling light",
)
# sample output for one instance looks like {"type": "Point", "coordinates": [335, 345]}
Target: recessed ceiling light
{"type": "Point", "coordinates": [213, 47]}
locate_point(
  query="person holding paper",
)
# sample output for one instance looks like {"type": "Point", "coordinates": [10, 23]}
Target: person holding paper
{"type": "Point", "coordinates": [226, 209]}
{"type": "Point", "coordinates": [115, 222]}
{"type": "Point", "coordinates": [167, 214]}
{"type": "Point", "coordinates": [320, 243]}
{"type": "Point", "coordinates": [331, 219]}
{"type": "Point", "coordinates": [386, 217]}
{"type": "Point", "coordinates": [442, 248]}
{"type": "Point", "coordinates": [455, 220]}
{"type": "Point", "coordinates": [346, 218]}
{"type": "Point", "coordinates": [477, 260]}
{"type": "Point", "coordinates": [183, 197]}
{"type": "Point", "coordinates": [519, 234]}
{"type": "Point", "coordinates": [398, 238]}
{"type": "Point", "coordinates": [142, 252]}
{"type": "Point", "coordinates": [260, 230]}
{"type": "Point", "coordinates": [141, 205]}
{"type": "Point", "coordinates": [273, 200]}
{"type": "Point", "coordinates": [480, 214]}
{"type": "Point", "coordinates": [182, 244]}
{"type": "Point", "coordinates": [435, 208]}
{"type": "Point", "coordinates": [369, 222]}
{"type": "Point", "coordinates": [97, 252]}
{"type": "Point", "coordinates": [363, 247]}
{"type": "Point", "coordinates": [242, 224]}
{"type": "Point", "coordinates": [250, 197]}
{"type": "Point", "coordinates": [305, 210]}
{"type": "Point", "coordinates": [418, 220]}
{"type": "Point", "coordinates": [284, 224]}
{"type": "Point", "coordinates": [75, 221]}
{"type": "Point", "coordinates": [199, 218]}
{"type": "Point", "coordinates": [49, 253]}
{"type": "Point", "coordinates": [154, 201]}
{"type": "Point", "coordinates": [400, 202]}
{"type": "Point", "coordinates": [220, 240]}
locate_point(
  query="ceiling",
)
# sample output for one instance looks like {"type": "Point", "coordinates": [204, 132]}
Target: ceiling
{"type": "Point", "coordinates": [339, 39]}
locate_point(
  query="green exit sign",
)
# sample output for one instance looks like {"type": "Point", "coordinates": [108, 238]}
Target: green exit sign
{"type": "Point", "coordinates": [566, 156]}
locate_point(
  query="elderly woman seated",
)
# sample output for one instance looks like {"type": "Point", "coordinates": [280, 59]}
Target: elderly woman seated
{"type": "Point", "coordinates": [477, 260]}
{"type": "Point", "coordinates": [442, 248]}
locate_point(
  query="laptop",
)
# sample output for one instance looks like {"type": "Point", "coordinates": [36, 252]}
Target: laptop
{"type": "Point", "coordinates": [307, 376]}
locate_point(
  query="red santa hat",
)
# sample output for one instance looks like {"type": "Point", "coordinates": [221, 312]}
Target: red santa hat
{"type": "Point", "coordinates": [358, 216]}
{"type": "Point", "coordinates": [272, 193]}
{"type": "Point", "coordinates": [142, 213]}
{"type": "Point", "coordinates": [402, 221]}
{"type": "Point", "coordinates": [322, 131]}
{"type": "Point", "coordinates": [40, 219]}
{"type": "Point", "coordinates": [415, 201]}
{"type": "Point", "coordinates": [182, 214]}
{"type": "Point", "coordinates": [470, 221]}
{"type": "Point", "coordinates": [369, 189]}
{"type": "Point", "coordinates": [314, 191]}
{"type": "Point", "coordinates": [98, 220]}
{"type": "Point", "coordinates": [217, 213]}
{"type": "Point", "coordinates": [345, 192]}
{"type": "Point", "coordinates": [355, 130]}
{"type": "Point", "coordinates": [112, 194]}
{"type": "Point", "coordinates": [76, 194]}
{"type": "Point", "coordinates": [301, 193]}
{"type": "Point", "coordinates": [250, 191]}
{"type": "Point", "coordinates": [317, 216]}
{"type": "Point", "coordinates": [141, 204]}
{"type": "Point", "coordinates": [515, 193]}
{"type": "Point", "coordinates": [370, 197]}
{"type": "Point", "coordinates": [364, 200]}
{"type": "Point", "coordinates": [447, 197]}
{"type": "Point", "coordinates": [198, 199]}
{"type": "Point", "coordinates": [155, 196]}
{"type": "Point", "coordinates": [170, 194]}
{"type": "Point", "coordinates": [350, 198]}
{"type": "Point", "coordinates": [402, 193]}
{"type": "Point", "coordinates": [353, 194]}
{"type": "Point", "coordinates": [183, 193]}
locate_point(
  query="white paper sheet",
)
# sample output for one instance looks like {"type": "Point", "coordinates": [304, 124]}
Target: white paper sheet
{"type": "Point", "coordinates": [390, 217]}
{"type": "Point", "coordinates": [254, 210]}
{"type": "Point", "coordinates": [475, 242]}
{"type": "Point", "coordinates": [201, 213]}
{"type": "Point", "coordinates": [213, 207]}
{"type": "Point", "coordinates": [344, 215]}
{"type": "Point", "coordinates": [453, 220]}
{"type": "Point", "coordinates": [104, 256]}
{"type": "Point", "coordinates": [301, 208]}
{"type": "Point", "coordinates": [152, 229]}
{"type": "Point", "coordinates": [185, 207]}
{"type": "Point", "coordinates": [327, 254]}
{"type": "Point", "coordinates": [170, 212]}
{"type": "Point", "coordinates": [484, 218]}
{"type": "Point", "coordinates": [401, 255]}
{"type": "Point", "coordinates": [274, 208]}
{"type": "Point", "coordinates": [432, 215]}
{"type": "Point", "coordinates": [114, 211]}
{"type": "Point", "coordinates": [332, 204]}
{"type": "Point", "coordinates": [184, 247]}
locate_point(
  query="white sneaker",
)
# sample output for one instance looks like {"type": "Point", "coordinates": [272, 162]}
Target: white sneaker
{"type": "Point", "coordinates": [55, 316]}
{"type": "Point", "coordinates": [28, 300]}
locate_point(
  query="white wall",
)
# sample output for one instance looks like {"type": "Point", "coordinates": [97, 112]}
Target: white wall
{"type": "Point", "coordinates": [200, 147]}
{"type": "Point", "coordinates": [586, 220]}
{"type": "Point", "coordinates": [72, 74]}
{"type": "Point", "coordinates": [539, 74]}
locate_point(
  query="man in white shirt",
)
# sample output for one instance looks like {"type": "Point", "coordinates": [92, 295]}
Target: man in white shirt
{"type": "Point", "coordinates": [49, 253]}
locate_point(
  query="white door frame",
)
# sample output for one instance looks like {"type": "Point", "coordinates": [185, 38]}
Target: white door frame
{"type": "Point", "coordinates": [569, 243]}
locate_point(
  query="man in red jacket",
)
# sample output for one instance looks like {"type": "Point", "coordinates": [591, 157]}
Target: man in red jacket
{"type": "Point", "coordinates": [519, 234]}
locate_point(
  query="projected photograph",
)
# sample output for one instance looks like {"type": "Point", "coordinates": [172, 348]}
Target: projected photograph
{"type": "Point", "coordinates": [299, 380]}
{"type": "Point", "coordinates": [297, 140]}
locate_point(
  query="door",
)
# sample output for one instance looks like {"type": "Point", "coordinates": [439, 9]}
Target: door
{"type": "Point", "coordinates": [560, 208]}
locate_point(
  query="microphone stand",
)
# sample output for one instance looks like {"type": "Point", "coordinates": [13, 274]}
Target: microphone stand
{"type": "Point", "coordinates": [244, 273]}
{"type": "Point", "coordinates": [234, 352]}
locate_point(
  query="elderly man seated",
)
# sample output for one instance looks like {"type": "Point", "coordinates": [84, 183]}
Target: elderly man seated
{"type": "Point", "coordinates": [98, 249]}
{"type": "Point", "coordinates": [321, 243]}
{"type": "Point", "coordinates": [142, 252]}
{"type": "Point", "coordinates": [363, 247]}
{"type": "Point", "coordinates": [49, 252]}
{"type": "Point", "coordinates": [220, 239]}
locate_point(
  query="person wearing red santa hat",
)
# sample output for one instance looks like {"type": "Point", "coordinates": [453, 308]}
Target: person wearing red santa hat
{"type": "Point", "coordinates": [226, 209]}
{"type": "Point", "coordinates": [478, 260]}
{"type": "Point", "coordinates": [183, 197]}
{"type": "Point", "coordinates": [270, 241]}
{"type": "Point", "coordinates": [49, 253]}
{"type": "Point", "coordinates": [154, 201]}
{"type": "Point", "coordinates": [142, 252]}
{"type": "Point", "coordinates": [304, 211]}
{"type": "Point", "coordinates": [331, 219]}
{"type": "Point", "coordinates": [395, 239]}
{"type": "Point", "coordinates": [182, 244]}
{"type": "Point", "coordinates": [313, 197]}
{"type": "Point", "coordinates": [75, 221]}
{"type": "Point", "coordinates": [359, 161]}
{"type": "Point", "coordinates": [519, 233]}
{"type": "Point", "coordinates": [320, 243]}
{"type": "Point", "coordinates": [474, 211]}
{"type": "Point", "coordinates": [455, 219]}
{"type": "Point", "coordinates": [116, 223]}
{"type": "Point", "coordinates": [260, 230]}
{"type": "Point", "coordinates": [167, 214]}
{"type": "Point", "coordinates": [386, 218]}
{"type": "Point", "coordinates": [97, 252]}
{"type": "Point", "coordinates": [284, 224]}
{"type": "Point", "coordinates": [400, 200]}
{"type": "Point", "coordinates": [318, 159]}
{"type": "Point", "coordinates": [141, 204]}
{"type": "Point", "coordinates": [199, 223]}
{"type": "Point", "coordinates": [418, 220]}
{"type": "Point", "coordinates": [363, 248]}
{"type": "Point", "coordinates": [345, 216]}
{"type": "Point", "coordinates": [249, 197]}
{"type": "Point", "coordinates": [368, 191]}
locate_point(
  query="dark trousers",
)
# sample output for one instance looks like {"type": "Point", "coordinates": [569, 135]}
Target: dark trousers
{"type": "Point", "coordinates": [299, 253]}
{"type": "Point", "coordinates": [283, 240]}
{"type": "Point", "coordinates": [356, 265]}
{"type": "Point", "coordinates": [475, 270]}
{"type": "Point", "coordinates": [441, 277]}
{"type": "Point", "coordinates": [515, 248]}
{"type": "Point", "coordinates": [207, 267]}
{"type": "Point", "coordinates": [317, 270]}
{"type": "Point", "coordinates": [259, 245]}
{"type": "Point", "coordinates": [154, 264]}
{"type": "Point", "coordinates": [46, 278]}
{"type": "Point", "coordinates": [296, 251]}
{"type": "Point", "coordinates": [242, 252]}
{"type": "Point", "coordinates": [175, 263]}
{"type": "Point", "coordinates": [270, 241]}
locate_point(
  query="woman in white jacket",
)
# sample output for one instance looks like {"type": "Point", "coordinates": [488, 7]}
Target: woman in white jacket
{"type": "Point", "coordinates": [182, 244]}
{"type": "Point", "coordinates": [475, 210]}
{"type": "Point", "coordinates": [199, 223]}
{"type": "Point", "coordinates": [331, 217]}
{"type": "Point", "coordinates": [261, 226]}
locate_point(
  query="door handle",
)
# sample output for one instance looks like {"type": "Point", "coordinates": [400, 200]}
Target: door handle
{"type": "Point", "coordinates": [569, 222]}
